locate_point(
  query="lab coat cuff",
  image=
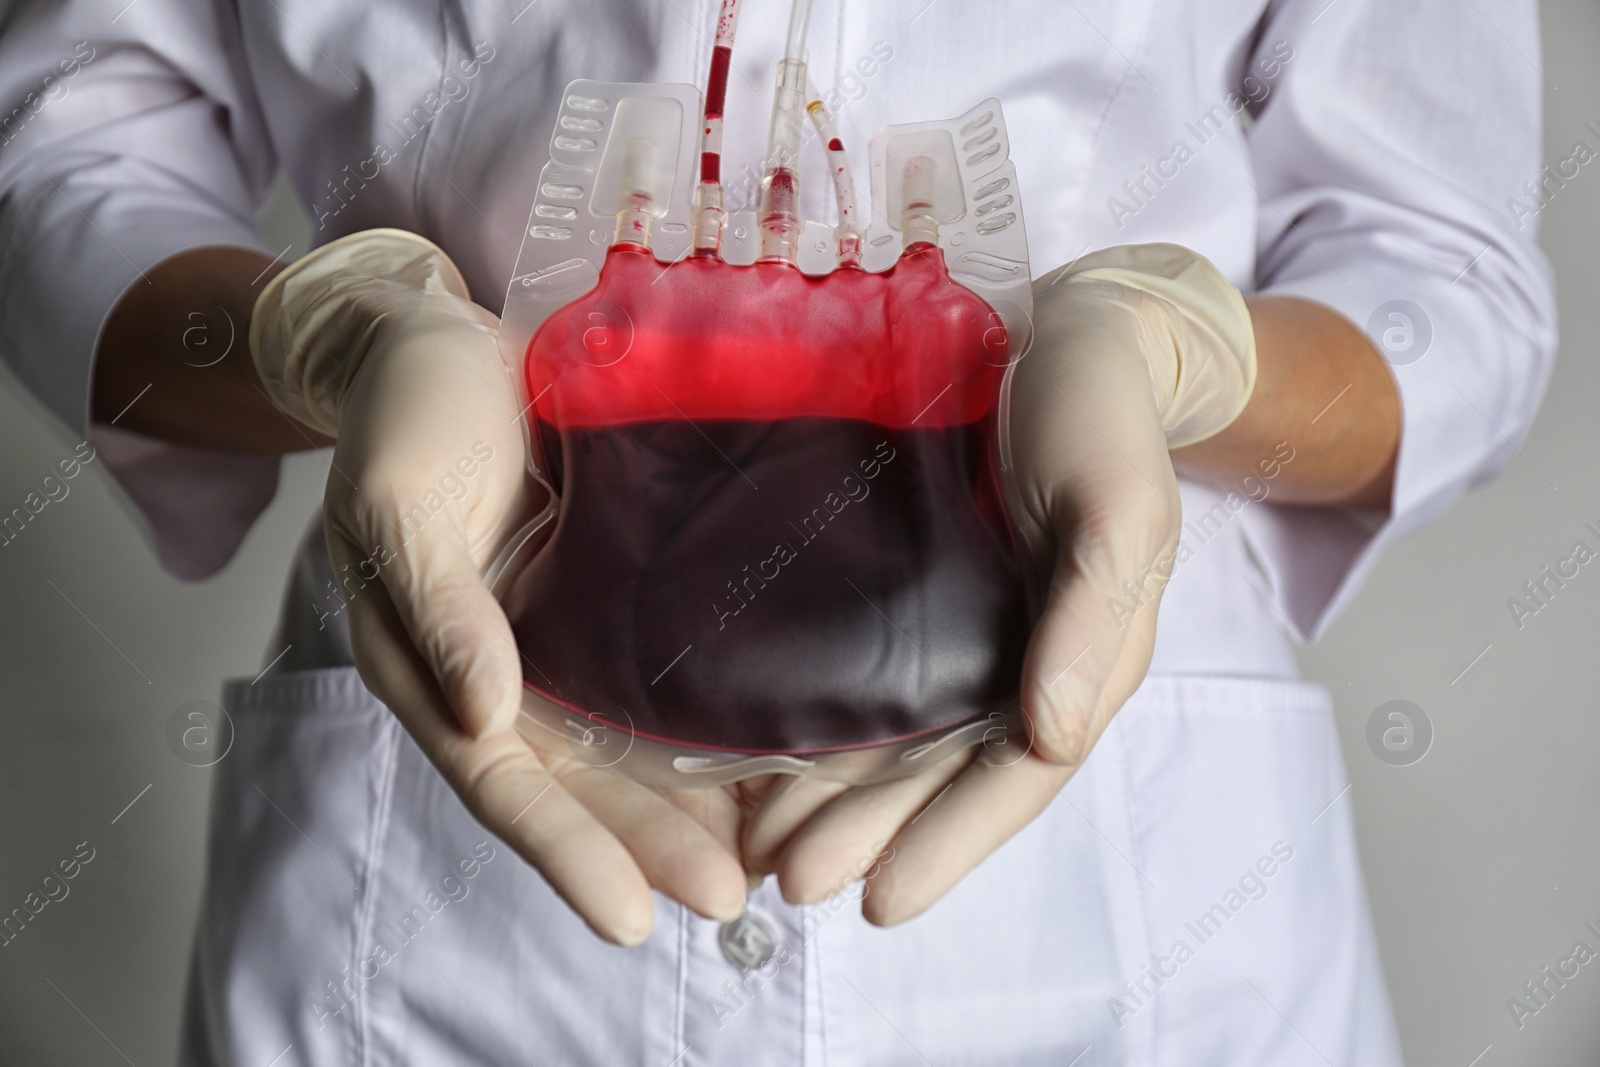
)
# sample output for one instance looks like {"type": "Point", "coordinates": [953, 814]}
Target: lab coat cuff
{"type": "Point", "coordinates": [1314, 559]}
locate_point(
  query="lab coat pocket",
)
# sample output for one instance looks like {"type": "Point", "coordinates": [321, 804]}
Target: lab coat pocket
{"type": "Point", "coordinates": [1238, 801]}
{"type": "Point", "coordinates": [298, 811]}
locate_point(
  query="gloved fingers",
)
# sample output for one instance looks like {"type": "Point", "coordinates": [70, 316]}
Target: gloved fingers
{"type": "Point", "coordinates": [1095, 480]}
{"type": "Point", "coordinates": [752, 792]}
{"type": "Point", "coordinates": [435, 587]}
{"type": "Point", "coordinates": [784, 807]}
{"type": "Point", "coordinates": [427, 475]}
{"type": "Point", "coordinates": [685, 841]}
{"type": "Point", "coordinates": [845, 838]}
{"type": "Point", "coordinates": [915, 838]}
{"type": "Point", "coordinates": [989, 803]}
{"type": "Point", "coordinates": [983, 808]}
{"type": "Point", "coordinates": [504, 783]}
{"type": "Point", "coordinates": [431, 433]}
{"type": "Point", "coordinates": [1084, 406]}
{"type": "Point", "coordinates": [1088, 434]}
{"type": "Point", "coordinates": [1129, 671]}
{"type": "Point", "coordinates": [1098, 618]}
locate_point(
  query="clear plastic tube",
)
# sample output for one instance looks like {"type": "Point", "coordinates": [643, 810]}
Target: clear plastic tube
{"type": "Point", "coordinates": [799, 21]}
{"type": "Point", "coordinates": [918, 224]}
{"type": "Point", "coordinates": [708, 210]}
{"type": "Point", "coordinates": [780, 192]}
{"type": "Point", "coordinates": [848, 231]}
{"type": "Point", "coordinates": [639, 155]}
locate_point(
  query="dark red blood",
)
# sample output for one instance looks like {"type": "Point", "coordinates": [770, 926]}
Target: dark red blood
{"type": "Point", "coordinates": [822, 610]}
{"type": "Point", "coordinates": [835, 145]}
{"type": "Point", "coordinates": [717, 82]}
{"type": "Point", "coordinates": [792, 478]}
{"type": "Point", "coordinates": [716, 99]}
{"type": "Point", "coordinates": [781, 193]}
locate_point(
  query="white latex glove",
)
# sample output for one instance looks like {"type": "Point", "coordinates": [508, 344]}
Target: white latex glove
{"type": "Point", "coordinates": [374, 340]}
{"type": "Point", "coordinates": [1136, 350]}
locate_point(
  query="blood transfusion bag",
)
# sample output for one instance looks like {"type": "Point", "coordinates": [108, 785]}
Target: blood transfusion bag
{"type": "Point", "coordinates": [779, 535]}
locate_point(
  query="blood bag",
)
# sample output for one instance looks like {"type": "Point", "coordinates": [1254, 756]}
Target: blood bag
{"type": "Point", "coordinates": [779, 533]}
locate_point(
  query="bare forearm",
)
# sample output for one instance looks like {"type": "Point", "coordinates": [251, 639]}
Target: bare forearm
{"type": "Point", "coordinates": [1323, 389]}
{"type": "Point", "coordinates": [174, 360]}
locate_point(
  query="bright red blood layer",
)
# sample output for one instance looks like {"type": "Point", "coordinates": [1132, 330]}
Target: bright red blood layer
{"type": "Point", "coordinates": [704, 340]}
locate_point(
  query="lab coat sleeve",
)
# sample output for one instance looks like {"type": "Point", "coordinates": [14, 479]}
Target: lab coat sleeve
{"type": "Point", "coordinates": [1391, 157]}
{"type": "Point", "coordinates": [128, 133]}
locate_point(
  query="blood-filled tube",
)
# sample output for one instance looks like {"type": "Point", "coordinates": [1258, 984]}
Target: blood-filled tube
{"type": "Point", "coordinates": [708, 210]}
{"type": "Point", "coordinates": [848, 231]}
{"type": "Point", "coordinates": [780, 190]}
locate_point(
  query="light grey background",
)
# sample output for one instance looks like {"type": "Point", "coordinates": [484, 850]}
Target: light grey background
{"type": "Point", "coordinates": [1480, 858]}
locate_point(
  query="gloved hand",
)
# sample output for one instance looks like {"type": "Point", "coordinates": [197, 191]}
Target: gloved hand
{"type": "Point", "coordinates": [1136, 350]}
{"type": "Point", "coordinates": [374, 340]}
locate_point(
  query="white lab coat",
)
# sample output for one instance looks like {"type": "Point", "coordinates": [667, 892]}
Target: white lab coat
{"type": "Point", "coordinates": [1194, 896]}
